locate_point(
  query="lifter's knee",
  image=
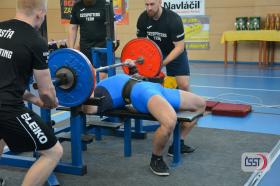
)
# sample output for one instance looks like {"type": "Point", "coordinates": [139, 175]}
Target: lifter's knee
{"type": "Point", "coordinates": [169, 123]}
{"type": "Point", "coordinates": [201, 105]}
{"type": "Point", "coordinates": [54, 153]}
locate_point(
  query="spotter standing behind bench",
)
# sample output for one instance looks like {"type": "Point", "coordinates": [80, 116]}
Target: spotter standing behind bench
{"type": "Point", "coordinates": [147, 97]}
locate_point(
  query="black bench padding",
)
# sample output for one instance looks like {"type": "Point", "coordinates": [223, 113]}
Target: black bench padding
{"type": "Point", "coordinates": [127, 112]}
{"type": "Point", "coordinates": [66, 136]}
{"type": "Point", "coordinates": [104, 124]}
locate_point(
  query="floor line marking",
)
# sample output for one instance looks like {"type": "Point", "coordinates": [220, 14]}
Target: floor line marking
{"type": "Point", "coordinates": [57, 113]}
{"type": "Point", "coordinates": [232, 88]}
{"type": "Point", "coordinates": [243, 76]}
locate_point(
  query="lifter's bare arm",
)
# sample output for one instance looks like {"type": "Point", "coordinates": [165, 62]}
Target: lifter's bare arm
{"type": "Point", "coordinates": [89, 109]}
{"type": "Point", "coordinates": [46, 88]}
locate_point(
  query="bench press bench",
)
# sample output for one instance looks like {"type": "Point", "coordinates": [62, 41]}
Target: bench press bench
{"type": "Point", "coordinates": [126, 114]}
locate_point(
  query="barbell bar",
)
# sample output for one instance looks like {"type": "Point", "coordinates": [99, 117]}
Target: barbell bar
{"type": "Point", "coordinates": [74, 76]}
{"type": "Point", "coordinates": [139, 60]}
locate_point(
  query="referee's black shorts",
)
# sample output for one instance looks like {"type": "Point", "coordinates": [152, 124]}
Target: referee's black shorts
{"type": "Point", "coordinates": [179, 66]}
{"type": "Point", "coordinates": [23, 130]}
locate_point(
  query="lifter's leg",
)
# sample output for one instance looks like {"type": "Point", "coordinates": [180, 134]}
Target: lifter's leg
{"type": "Point", "coordinates": [192, 102]}
{"type": "Point", "coordinates": [42, 168]}
{"type": "Point", "coordinates": [167, 118]}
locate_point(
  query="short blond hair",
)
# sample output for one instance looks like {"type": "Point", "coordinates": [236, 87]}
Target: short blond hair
{"type": "Point", "coordinates": [28, 6]}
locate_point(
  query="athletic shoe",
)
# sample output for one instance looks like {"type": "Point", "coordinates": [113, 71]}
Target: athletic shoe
{"type": "Point", "coordinates": [159, 167]}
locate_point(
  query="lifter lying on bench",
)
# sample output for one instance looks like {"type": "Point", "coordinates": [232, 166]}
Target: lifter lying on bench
{"type": "Point", "coordinates": [146, 97]}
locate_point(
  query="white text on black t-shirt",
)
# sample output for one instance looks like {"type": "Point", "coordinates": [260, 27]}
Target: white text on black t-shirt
{"type": "Point", "coordinates": [6, 33]}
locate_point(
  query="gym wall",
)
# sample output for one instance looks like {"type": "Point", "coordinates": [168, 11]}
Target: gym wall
{"type": "Point", "coordinates": [222, 16]}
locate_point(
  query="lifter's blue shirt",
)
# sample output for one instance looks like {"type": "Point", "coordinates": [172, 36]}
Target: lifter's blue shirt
{"type": "Point", "coordinates": [140, 93]}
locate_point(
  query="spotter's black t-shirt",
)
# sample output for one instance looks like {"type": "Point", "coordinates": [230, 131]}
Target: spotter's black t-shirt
{"type": "Point", "coordinates": [22, 49]}
{"type": "Point", "coordinates": [91, 20]}
{"type": "Point", "coordinates": [164, 31]}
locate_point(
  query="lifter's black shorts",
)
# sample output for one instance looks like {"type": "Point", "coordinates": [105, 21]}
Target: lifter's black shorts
{"type": "Point", "coordinates": [179, 66]}
{"type": "Point", "coordinates": [23, 130]}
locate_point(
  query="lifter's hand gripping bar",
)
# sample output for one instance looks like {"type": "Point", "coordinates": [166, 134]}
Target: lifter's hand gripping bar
{"type": "Point", "coordinates": [139, 60]}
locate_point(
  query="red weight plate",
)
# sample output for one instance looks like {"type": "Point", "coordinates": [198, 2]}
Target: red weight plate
{"type": "Point", "coordinates": [149, 51]}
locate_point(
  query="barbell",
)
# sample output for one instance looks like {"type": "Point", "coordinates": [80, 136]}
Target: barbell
{"type": "Point", "coordinates": [65, 78]}
{"type": "Point", "coordinates": [74, 77]}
